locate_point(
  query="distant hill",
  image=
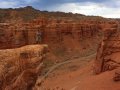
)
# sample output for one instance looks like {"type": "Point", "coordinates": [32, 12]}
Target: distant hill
{"type": "Point", "coordinates": [29, 13]}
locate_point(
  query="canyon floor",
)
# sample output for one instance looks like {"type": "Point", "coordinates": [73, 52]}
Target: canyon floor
{"type": "Point", "coordinates": [78, 74]}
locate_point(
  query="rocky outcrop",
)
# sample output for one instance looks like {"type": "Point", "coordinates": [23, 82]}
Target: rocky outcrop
{"type": "Point", "coordinates": [26, 80]}
{"type": "Point", "coordinates": [117, 75]}
{"type": "Point", "coordinates": [20, 67]}
{"type": "Point", "coordinates": [109, 50]}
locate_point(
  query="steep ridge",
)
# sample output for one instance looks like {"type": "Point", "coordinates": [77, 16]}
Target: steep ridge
{"type": "Point", "coordinates": [108, 52]}
{"type": "Point", "coordinates": [28, 13]}
{"type": "Point", "coordinates": [20, 67]}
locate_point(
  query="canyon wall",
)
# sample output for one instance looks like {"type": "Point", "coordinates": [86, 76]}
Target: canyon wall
{"type": "Point", "coordinates": [109, 50]}
{"type": "Point", "coordinates": [45, 31]}
{"type": "Point", "coordinates": [63, 32]}
{"type": "Point", "coordinates": [65, 36]}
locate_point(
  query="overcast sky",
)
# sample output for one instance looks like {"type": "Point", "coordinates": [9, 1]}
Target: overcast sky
{"type": "Point", "coordinates": [106, 8]}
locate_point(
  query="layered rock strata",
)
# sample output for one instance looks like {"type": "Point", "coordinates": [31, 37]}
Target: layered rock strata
{"type": "Point", "coordinates": [20, 67]}
{"type": "Point", "coordinates": [109, 51]}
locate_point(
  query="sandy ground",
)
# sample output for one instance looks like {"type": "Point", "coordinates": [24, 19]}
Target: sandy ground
{"type": "Point", "coordinates": [103, 81]}
{"type": "Point", "coordinates": [79, 76]}
{"type": "Point", "coordinates": [67, 76]}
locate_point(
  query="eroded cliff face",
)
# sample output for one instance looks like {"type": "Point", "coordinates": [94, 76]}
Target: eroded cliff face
{"type": "Point", "coordinates": [51, 28]}
{"type": "Point", "coordinates": [65, 36]}
{"type": "Point", "coordinates": [109, 52]}
{"type": "Point", "coordinates": [20, 67]}
{"type": "Point", "coordinates": [44, 31]}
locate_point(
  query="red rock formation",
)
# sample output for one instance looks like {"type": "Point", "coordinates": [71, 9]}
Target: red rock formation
{"type": "Point", "coordinates": [65, 33]}
{"type": "Point", "coordinates": [26, 80]}
{"type": "Point", "coordinates": [65, 36]}
{"type": "Point", "coordinates": [51, 31]}
{"type": "Point", "coordinates": [117, 75]}
{"type": "Point", "coordinates": [19, 68]}
{"type": "Point", "coordinates": [21, 26]}
{"type": "Point", "coordinates": [58, 34]}
{"type": "Point", "coordinates": [109, 50]}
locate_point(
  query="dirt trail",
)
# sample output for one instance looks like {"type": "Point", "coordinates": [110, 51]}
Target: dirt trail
{"type": "Point", "coordinates": [40, 80]}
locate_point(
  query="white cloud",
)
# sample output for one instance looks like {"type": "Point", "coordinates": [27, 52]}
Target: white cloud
{"type": "Point", "coordinates": [30, 1]}
{"type": "Point", "coordinates": [89, 8]}
{"type": "Point", "coordinates": [110, 9]}
{"type": "Point", "coordinates": [6, 4]}
{"type": "Point", "coordinates": [14, 4]}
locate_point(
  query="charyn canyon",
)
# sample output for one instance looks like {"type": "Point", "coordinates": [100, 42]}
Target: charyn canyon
{"type": "Point", "coordinates": [43, 49]}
